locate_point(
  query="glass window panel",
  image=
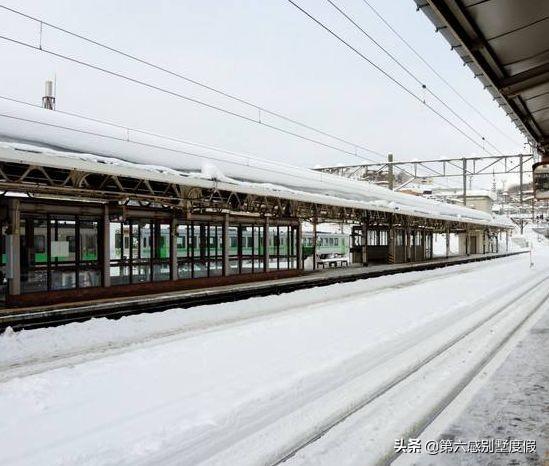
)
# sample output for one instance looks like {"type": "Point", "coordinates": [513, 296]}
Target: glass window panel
{"type": "Point", "coordinates": [233, 266]}
{"type": "Point", "coordinates": [197, 241]}
{"type": "Point", "coordinates": [200, 268]}
{"type": "Point", "coordinates": [134, 240]}
{"type": "Point", "coordinates": [89, 232]}
{"type": "Point", "coordinates": [141, 273]}
{"type": "Point", "coordinates": [37, 253]}
{"type": "Point", "coordinates": [62, 240]}
{"type": "Point", "coordinates": [184, 270]}
{"type": "Point", "coordinates": [216, 268]}
{"type": "Point", "coordinates": [145, 243]}
{"type": "Point", "coordinates": [182, 238]}
{"type": "Point", "coordinates": [164, 242]}
{"type": "Point", "coordinates": [120, 274]}
{"type": "Point", "coordinates": [258, 265]}
{"type": "Point", "coordinates": [89, 278]}
{"type": "Point", "coordinates": [63, 279]}
{"type": "Point", "coordinates": [34, 280]}
{"type": "Point", "coordinates": [161, 272]}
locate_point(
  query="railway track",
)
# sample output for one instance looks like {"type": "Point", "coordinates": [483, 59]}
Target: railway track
{"type": "Point", "coordinates": [115, 309]}
{"type": "Point", "coordinates": [451, 393]}
{"type": "Point", "coordinates": [26, 367]}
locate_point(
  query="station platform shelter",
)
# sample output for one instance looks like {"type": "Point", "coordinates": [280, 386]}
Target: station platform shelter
{"type": "Point", "coordinates": [73, 229]}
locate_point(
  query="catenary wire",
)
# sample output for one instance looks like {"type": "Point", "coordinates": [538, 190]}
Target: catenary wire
{"type": "Point", "coordinates": [203, 85]}
{"type": "Point", "coordinates": [120, 75]}
{"type": "Point", "coordinates": [257, 107]}
{"type": "Point", "coordinates": [412, 75]}
{"type": "Point", "coordinates": [153, 146]}
{"type": "Point", "coordinates": [442, 78]}
{"type": "Point", "coordinates": [385, 73]}
{"type": "Point", "coordinates": [184, 97]}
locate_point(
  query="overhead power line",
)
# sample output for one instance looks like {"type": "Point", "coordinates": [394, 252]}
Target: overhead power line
{"type": "Point", "coordinates": [260, 109]}
{"type": "Point", "coordinates": [129, 130]}
{"type": "Point", "coordinates": [385, 73]}
{"type": "Point", "coordinates": [433, 69]}
{"type": "Point", "coordinates": [412, 75]}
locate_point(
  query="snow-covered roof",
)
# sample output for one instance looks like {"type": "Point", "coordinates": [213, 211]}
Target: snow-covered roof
{"type": "Point", "coordinates": [469, 193]}
{"type": "Point", "coordinates": [65, 141]}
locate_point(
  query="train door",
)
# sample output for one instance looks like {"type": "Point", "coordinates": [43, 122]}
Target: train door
{"type": "Point", "coordinates": [473, 245]}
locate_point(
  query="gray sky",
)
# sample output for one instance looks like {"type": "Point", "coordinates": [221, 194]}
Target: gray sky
{"type": "Point", "coordinates": [265, 51]}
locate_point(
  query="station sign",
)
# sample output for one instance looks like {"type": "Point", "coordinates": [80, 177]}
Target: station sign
{"type": "Point", "coordinates": [540, 171]}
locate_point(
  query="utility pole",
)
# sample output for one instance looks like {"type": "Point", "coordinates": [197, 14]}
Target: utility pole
{"type": "Point", "coordinates": [390, 174]}
{"type": "Point", "coordinates": [464, 181]}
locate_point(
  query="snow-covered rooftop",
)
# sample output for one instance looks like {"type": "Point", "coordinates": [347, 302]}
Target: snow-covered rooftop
{"type": "Point", "coordinates": [65, 141]}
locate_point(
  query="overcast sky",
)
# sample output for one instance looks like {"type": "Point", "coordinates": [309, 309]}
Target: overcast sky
{"type": "Point", "coordinates": [264, 51]}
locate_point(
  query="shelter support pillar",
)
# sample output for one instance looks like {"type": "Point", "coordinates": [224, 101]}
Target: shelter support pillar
{"type": "Point", "coordinates": [391, 242]}
{"type": "Point", "coordinates": [506, 241]}
{"type": "Point", "coordinates": [226, 245]}
{"type": "Point", "coordinates": [364, 245]}
{"type": "Point", "coordinates": [314, 244]}
{"type": "Point", "coordinates": [447, 242]}
{"type": "Point", "coordinates": [173, 249]}
{"type": "Point", "coordinates": [106, 244]}
{"type": "Point", "coordinates": [266, 238]}
{"type": "Point", "coordinates": [407, 247]}
{"type": "Point", "coordinates": [13, 249]}
{"type": "Point", "coordinates": [299, 246]}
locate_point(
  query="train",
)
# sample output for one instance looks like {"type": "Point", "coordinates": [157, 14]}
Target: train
{"type": "Point", "coordinates": [63, 249]}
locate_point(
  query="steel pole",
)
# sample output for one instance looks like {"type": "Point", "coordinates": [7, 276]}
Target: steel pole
{"type": "Point", "coordinates": [390, 174]}
{"type": "Point", "coordinates": [464, 181]}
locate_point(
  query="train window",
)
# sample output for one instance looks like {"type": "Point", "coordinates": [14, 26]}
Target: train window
{"type": "Point", "coordinates": [336, 241]}
{"type": "Point", "coordinates": [72, 243]}
{"type": "Point", "coordinates": [234, 242]}
{"type": "Point", "coordinates": [39, 244]}
{"type": "Point", "coordinates": [89, 230]}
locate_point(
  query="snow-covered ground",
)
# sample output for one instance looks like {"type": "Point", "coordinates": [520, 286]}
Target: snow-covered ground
{"type": "Point", "coordinates": [233, 383]}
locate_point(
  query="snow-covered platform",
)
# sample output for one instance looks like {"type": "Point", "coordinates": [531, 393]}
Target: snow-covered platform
{"type": "Point", "coordinates": [248, 382]}
{"type": "Point", "coordinates": [43, 315]}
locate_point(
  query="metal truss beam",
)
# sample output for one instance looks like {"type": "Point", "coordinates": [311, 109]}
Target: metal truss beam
{"type": "Point", "coordinates": [440, 168]}
{"type": "Point", "coordinates": [74, 185]}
